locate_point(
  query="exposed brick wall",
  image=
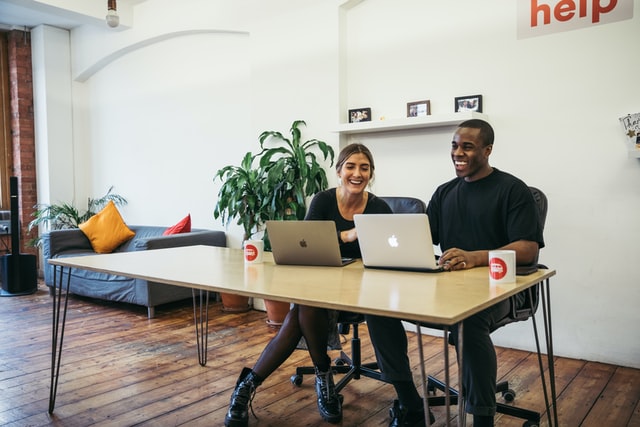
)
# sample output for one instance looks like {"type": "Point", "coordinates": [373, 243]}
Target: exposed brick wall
{"type": "Point", "coordinates": [22, 129]}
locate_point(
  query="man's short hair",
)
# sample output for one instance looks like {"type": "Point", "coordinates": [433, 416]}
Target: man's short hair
{"type": "Point", "coordinates": [486, 131]}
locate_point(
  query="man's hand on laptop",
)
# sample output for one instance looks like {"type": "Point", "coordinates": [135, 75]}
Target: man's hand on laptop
{"type": "Point", "coordinates": [456, 259]}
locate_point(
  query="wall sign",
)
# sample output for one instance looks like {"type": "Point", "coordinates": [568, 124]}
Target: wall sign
{"type": "Point", "coordinates": [542, 17]}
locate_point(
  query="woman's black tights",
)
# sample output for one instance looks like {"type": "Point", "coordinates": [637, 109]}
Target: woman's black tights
{"type": "Point", "coordinates": [302, 321]}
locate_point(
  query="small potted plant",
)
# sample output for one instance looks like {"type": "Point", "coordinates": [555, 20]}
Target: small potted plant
{"type": "Point", "coordinates": [287, 174]}
{"type": "Point", "coordinates": [62, 216]}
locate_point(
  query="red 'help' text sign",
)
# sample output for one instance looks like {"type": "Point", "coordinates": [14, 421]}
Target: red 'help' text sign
{"type": "Point", "coordinates": [540, 17]}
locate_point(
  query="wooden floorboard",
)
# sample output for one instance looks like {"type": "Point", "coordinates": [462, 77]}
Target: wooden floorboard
{"type": "Point", "coordinates": [121, 369]}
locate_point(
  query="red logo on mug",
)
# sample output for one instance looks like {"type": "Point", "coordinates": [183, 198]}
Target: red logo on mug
{"type": "Point", "coordinates": [250, 252]}
{"type": "Point", "coordinates": [497, 268]}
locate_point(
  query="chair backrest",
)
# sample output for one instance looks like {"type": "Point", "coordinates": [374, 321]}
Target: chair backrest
{"type": "Point", "coordinates": [405, 204]}
{"type": "Point", "coordinates": [541, 202]}
{"type": "Point", "coordinates": [525, 303]}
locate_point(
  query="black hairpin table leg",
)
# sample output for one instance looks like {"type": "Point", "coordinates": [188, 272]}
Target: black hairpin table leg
{"type": "Point", "coordinates": [57, 331]}
{"type": "Point", "coordinates": [201, 319]}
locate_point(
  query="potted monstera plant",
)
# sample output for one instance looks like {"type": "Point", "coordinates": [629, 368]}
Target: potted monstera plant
{"type": "Point", "coordinates": [273, 184]}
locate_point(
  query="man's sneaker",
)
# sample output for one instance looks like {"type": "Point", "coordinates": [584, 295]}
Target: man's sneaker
{"type": "Point", "coordinates": [402, 417]}
{"type": "Point", "coordinates": [329, 403]}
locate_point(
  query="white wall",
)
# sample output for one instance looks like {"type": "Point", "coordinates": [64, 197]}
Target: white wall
{"type": "Point", "coordinates": [161, 148]}
{"type": "Point", "coordinates": [160, 107]}
{"type": "Point", "coordinates": [554, 102]}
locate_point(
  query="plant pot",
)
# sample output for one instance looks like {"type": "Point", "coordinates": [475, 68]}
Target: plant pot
{"type": "Point", "coordinates": [232, 303]}
{"type": "Point", "coordinates": [276, 312]}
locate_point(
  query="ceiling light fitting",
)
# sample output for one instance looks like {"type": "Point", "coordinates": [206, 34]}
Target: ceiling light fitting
{"type": "Point", "coordinates": [113, 20]}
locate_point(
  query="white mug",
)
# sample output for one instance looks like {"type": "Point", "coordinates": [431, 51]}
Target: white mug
{"type": "Point", "coordinates": [253, 250]}
{"type": "Point", "coordinates": [502, 266]}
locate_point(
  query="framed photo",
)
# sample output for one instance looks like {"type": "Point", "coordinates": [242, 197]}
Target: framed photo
{"type": "Point", "coordinates": [360, 115]}
{"type": "Point", "coordinates": [418, 108]}
{"type": "Point", "coordinates": [468, 103]}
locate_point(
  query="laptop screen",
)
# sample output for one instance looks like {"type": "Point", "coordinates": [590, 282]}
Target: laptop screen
{"type": "Point", "coordinates": [305, 243]}
{"type": "Point", "coordinates": [396, 241]}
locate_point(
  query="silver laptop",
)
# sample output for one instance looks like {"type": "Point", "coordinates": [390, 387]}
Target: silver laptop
{"type": "Point", "coordinates": [396, 241]}
{"type": "Point", "coordinates": [305, 243]}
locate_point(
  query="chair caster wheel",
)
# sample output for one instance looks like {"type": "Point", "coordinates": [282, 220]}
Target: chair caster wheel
{"type": "Point", "coordinates": [530, 424]}
{"type": "Point", "coordinates": [509, 395]}
{"type": "Point", "coordinates": [296, 380]}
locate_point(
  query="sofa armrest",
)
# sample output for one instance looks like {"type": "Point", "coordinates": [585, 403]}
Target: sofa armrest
{"type": "Point", "coordinates": [207, 238]}
{"type": "Point", "coordinates": [57, 241]}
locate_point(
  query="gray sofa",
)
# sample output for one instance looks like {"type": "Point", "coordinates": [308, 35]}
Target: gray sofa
{"type": "Point", "coordinates": [73, 242]}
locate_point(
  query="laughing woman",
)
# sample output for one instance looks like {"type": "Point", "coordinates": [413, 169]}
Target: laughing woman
{"type": "Point", "coordinates": [317, 326]}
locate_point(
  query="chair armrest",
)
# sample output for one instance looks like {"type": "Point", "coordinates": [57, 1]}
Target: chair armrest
{"type": "Point", "coordinates": [207, 238]}
{"type": "Point", "coordinates": [57, 241]}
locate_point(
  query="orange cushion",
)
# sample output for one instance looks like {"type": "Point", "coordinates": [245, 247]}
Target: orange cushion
{"type": "Point", "coordinates": [106, 230]}
{"type": "Point", "coordinates": [184, 226]}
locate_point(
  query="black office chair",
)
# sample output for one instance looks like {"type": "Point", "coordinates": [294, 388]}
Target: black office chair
{"type": "Point", "coordinates": [352, 366]}
{"type": "Point", "coordinates": [520, 311]}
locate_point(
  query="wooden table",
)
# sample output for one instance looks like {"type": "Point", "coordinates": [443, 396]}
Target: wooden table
{"type": "Point", "coordinates": [438, 298]}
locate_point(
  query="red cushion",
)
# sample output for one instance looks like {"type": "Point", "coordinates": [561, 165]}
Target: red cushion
{"type": "Point", "coordinates": [184, 226]}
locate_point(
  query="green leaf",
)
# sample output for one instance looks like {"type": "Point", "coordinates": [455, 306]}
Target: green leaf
{"type": "Point", "coordinates": [287, 172]}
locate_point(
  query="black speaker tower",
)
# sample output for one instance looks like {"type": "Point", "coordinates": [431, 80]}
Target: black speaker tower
{"type": "Point", "coordinates": [18, 272]}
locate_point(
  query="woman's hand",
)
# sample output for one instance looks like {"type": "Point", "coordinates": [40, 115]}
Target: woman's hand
{"type": "Point", "coordinates": [347, 236]}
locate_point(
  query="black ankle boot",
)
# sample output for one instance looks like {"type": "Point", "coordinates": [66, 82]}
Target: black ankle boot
{"type": "Point", "coordinates": [238, 413]}
{"type": "Point", "coordinates": [329, 403]}
{"type": "Point", "coordinates": [402, 417]}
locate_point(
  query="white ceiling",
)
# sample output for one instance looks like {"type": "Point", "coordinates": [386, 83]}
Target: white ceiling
{"type": "Point", "coordinates": [14, 16]}
{"type": "Point", "coordinates": [18, 14]}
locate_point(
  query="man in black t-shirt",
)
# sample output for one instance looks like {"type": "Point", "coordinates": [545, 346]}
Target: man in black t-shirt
{"type": "Point", "coordinates": [482, 209]}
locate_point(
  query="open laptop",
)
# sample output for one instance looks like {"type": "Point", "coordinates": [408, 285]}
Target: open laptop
{"type": "Point", "coordinates": [396, 241]}
{"type": "Point", "coordinates": [305, 243]}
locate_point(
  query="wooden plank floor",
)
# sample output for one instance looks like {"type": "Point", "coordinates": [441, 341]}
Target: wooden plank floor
{"type": "Point", "coordinates": [121, 369]}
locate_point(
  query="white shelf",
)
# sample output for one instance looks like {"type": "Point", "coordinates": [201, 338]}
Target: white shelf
{"type": "Point", "coordinates": [407, 123]}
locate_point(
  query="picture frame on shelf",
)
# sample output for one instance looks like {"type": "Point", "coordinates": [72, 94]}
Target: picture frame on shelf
{"type": "Point", "coordinates": [468, 103]}
{"type": "Point", "coordinates": [631, 126]}
{"type": "Point", "coordinates": [358, 115]}
{"type": "Point", "coordinates": [419, 108]}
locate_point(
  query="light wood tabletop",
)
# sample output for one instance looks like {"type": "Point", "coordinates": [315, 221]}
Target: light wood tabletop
{"type": "Point", "coordinates": [444, 298]}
